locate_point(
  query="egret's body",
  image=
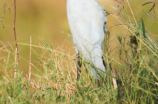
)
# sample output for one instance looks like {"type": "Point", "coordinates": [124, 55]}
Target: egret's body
{"type": "Point", "coordinates": [86, 20]}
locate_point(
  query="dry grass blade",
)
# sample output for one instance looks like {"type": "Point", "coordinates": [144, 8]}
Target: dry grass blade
{"type": "Point", "coordinates": [114, 81]}
{"type": "Point", "coordinates": [152, 8]}
{"type": "Point", "coordinates": [121, 1]}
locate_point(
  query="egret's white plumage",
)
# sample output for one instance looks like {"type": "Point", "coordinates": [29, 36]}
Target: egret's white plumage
{"type": "Point", "coordinates": [86, 20]}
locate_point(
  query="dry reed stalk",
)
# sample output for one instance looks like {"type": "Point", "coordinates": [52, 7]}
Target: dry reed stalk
{"type": "Point", "coordinates": [16, 64]}
{"type": "Point", "coordinates": [14, 29]}
{"type": "Point", "coordinates": [30, 66]}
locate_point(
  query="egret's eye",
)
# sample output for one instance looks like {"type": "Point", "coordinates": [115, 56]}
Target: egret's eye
{"type": "Point", "coordinates": [104, 23]}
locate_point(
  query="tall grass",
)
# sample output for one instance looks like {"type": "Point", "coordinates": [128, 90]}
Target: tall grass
{"type": "Point", "coordinates": [55, 78]}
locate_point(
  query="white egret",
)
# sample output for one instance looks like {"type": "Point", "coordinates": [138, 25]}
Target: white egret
{"type": "Point", "coordinates": [87, 22]}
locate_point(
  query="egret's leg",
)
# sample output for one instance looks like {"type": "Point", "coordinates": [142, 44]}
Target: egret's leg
{"type": "Point", "coordinates": [99, 81]}
{"type": "Point", "coordinates": [103, 62]}
{"type": "Point", "coordinates": [79, 64]}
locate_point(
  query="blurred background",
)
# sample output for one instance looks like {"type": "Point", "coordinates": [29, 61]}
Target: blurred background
{"type": "Point", "coordinates": [46, 19]}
